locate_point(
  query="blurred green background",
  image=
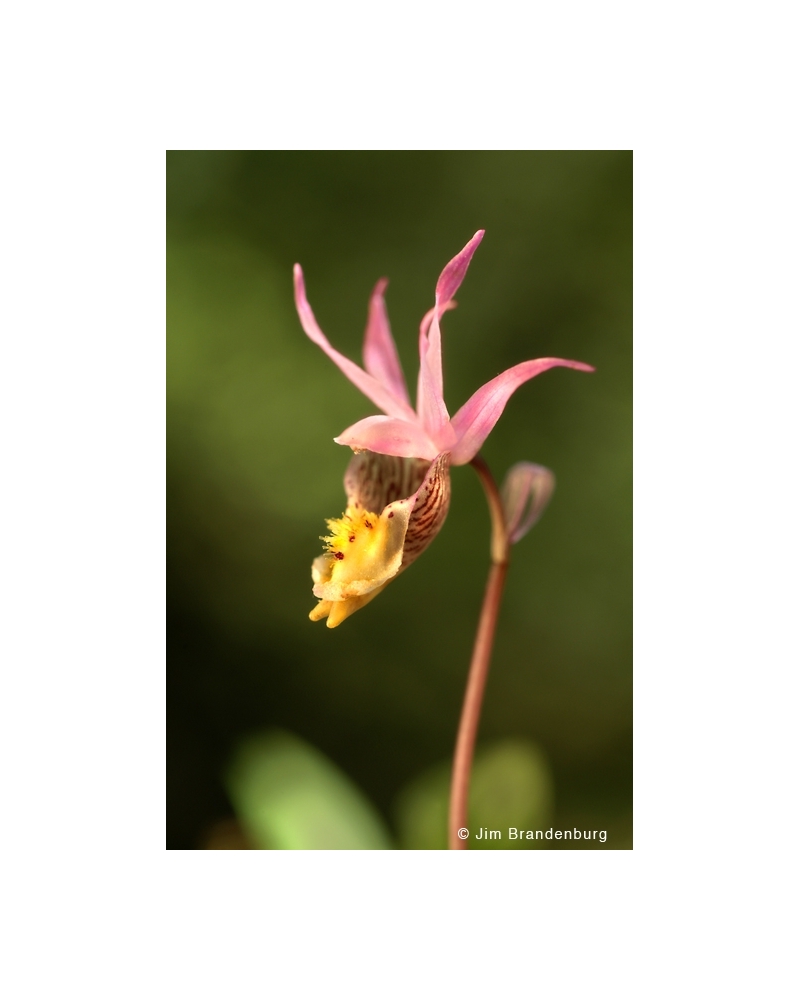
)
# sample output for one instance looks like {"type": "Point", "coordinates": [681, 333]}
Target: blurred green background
{"type": "Point", "coordinates": [261, 702]}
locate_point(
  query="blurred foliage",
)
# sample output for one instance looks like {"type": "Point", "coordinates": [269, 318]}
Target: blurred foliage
{"type": "Point", "coordinates": [511, 787]}
{"type": "Point", "coordinates": [289, 796]}
{"type": "Point", "coordinates": [253, 472]}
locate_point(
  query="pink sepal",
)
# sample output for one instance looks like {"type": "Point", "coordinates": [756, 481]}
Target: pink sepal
{"type": "Point", "coordinates": [453, 274]}
{"type": "Point", "coordinates": [389, 436]}
{"type": "Point", "coordinates": [430, 388]}
{"type": "Point", "coordinates": [370, 386]}
{"type": "Point", "coordinates": [430, 399]}
{"type": "Point", "coordinates": [476, 418]}
{"type": "Point", "coordinates": [380, 351]}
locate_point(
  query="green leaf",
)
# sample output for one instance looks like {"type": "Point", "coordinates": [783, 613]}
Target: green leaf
{"type": "Point", "coordinates": [290, 796]}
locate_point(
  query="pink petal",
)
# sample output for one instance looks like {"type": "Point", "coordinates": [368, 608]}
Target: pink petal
{"type": "Point", "coordinates": [370, 386]}
{"type": "Point", "coordinates": [527, 489]}
{"type": "Point", "coordinates": [424, 344]}
{"type": "Point", "coordinates": [380, 353]}
{"type": "Point", "coordinates": [452, 276]}
{"type": "Point", "coordinates": [389, 436]}
{"type": "Point", "coordinates": [432, 411]}
{"type": "Point", "coordinates": [426, 319]}
{"type": "Point", "coordinates": [430, 389]}
{"type": "Point", "coordinates": [476, 418]}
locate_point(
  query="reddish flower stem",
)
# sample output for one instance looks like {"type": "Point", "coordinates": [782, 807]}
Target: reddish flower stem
{"type": "Point", "coordinates": [481, 658]}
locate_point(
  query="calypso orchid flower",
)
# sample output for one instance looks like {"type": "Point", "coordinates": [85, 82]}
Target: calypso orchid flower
{"type": "Point", "coordinates": [398, 482]}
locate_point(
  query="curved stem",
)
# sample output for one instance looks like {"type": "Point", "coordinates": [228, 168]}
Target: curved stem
{"type": "Point", "coordinates": [481, 658]}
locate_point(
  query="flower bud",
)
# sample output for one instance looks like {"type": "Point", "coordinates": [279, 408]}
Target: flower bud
{"type": "Point", "coordinates": [526, 492]}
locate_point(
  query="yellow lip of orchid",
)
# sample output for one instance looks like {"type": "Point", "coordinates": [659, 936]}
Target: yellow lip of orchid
{"type": "Point", "coordinates": [381, 532]}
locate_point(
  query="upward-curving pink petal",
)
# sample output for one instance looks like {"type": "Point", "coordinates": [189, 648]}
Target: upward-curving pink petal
{"type": "Point", "coordinates": [424, 327]}
{"type": "Point", "coordinates": [380, 352]}
{"type": "Point", "coordinates": [453, 274]}
{"type": "Point", "coordinates": [431, 407]}
{"type": "Point", "coordinates": [430, 389]}
{"type": "Point", "coordinates": [476, 418]}
{"type": "Point", "coordinates": [374, 390]}
{"type": "Point", "coordinates": [389, 436]}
